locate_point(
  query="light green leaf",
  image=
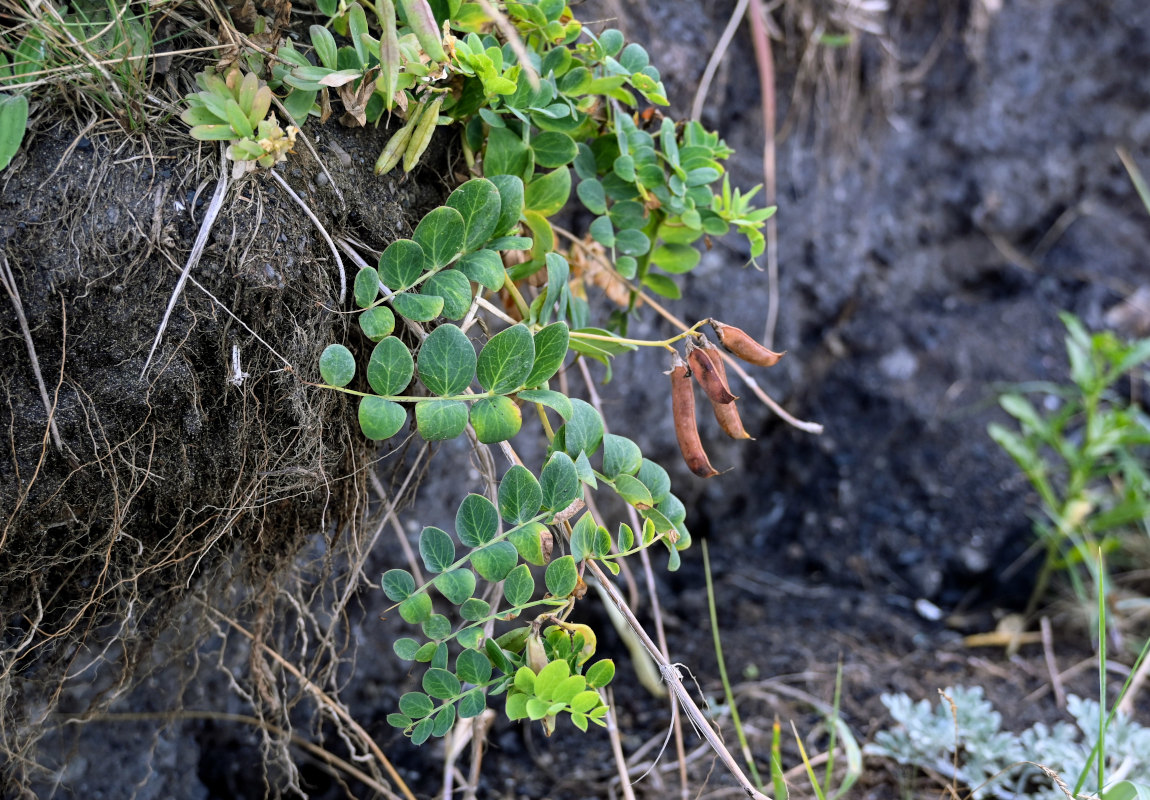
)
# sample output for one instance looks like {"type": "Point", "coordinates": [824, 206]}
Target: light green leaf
{"type": "Point", "coordinates": [548, 193]}
{"type": "Point", "coordinates": [495, 561]}
{"type": "Point", "coordinates": [550, 350]}
{"type": "Point", "coordinates": [401, 264]}
{"type": "Point", "coordinates": [436, 549]}
{"type": "Point", "coordinates": [485, 267]}
{"type": "Point", "coordinates": [559, 482]}
{"type": "Point", "coordinates": [440, 233]}
{"type": "Point", "coordinates": [476, 521]}
{"type": "Point", "coordinates": [380, 419]}
{"type": "Point", "coordinates": [417, 307]}
{"type": "Point", "coordinates": [519, 586]}
{"type": "Point", "coordinates": [437, 627]}
{"type": "Point", "coordinates": [478, 202]}
{"type": "Point", "coordinates": [416, 705]}
{"type": "Point", "coordinates": [391, 367]}
{"type": "Point", "coordinates": [602, 231]}
{"type": "Point", "coordinates": [520, 495]}
{"type": "Point", "coordinates": [593, 197]}
{"type": "Point", "coordinates": [567, 688]}
{"type": "Point", "coordinates": [661, 285]}
{"type": "Point", "coordinates": [620, 456]}
{"type": "Point", "coordinates": [676, 258]}
{"type": "Point", "coordinates": [447, 361]}
{"type": "Point", "coordinates": [397, 584]}
{"type": "Point", "coordinates": [336, 365]}
{"type": "Point", "coordinates": [416, 608]}
{"type": "Point", "coordinates": [506, 154]}
{"type": "Point", "coordinates": [557, 401]}
{"type": "Point", "coordinates": [632, 242]}
{"type": "Point", "coordinates": [582, 537]}
{"type": "Point", "coordinates": [438, 420]}
{"type": "Point", "coordinates": [506, 359]}
{"type": "Point", "coordinates": [377, 322]}
{"type": "Point", "coordinates": [656, 479]}
{"type": "Point", "coordinates": [366, 286]}
{"type": "Point", "coordinates": [405, 648]}
{"type": "Point", "coordinates": [457, 585]}
{"type": "Point", "coordinates": [583, 468]}
{"type": "Point", "coordinates": [445, 719]}
{"type": "Point", "coordinates": [455, 289]}
{"type": "Point", "coordinates": [633, 491]}
{"type": "Point", "coordinates": [562, 577]}
{"type": "Point", "coordinates": [549, 677]}
{"type": "Point", "coordinates": [496, 419]}
{"type": "Point", "coordinates": [528, 540]}
{"type": "Point", "coordinates": [13, 123]}
{"type": "Point", "coordinates": [510, 202]}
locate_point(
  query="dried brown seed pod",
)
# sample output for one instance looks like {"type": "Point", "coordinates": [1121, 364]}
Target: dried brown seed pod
{"type": "Point", "coordinates": [703, 367]}
{"type": "Point", "coordinates": [686, 427]}
{"type": "Point", "coordinates": [726, 413]}
{"type": "Point", "coordinates": [740, 344]}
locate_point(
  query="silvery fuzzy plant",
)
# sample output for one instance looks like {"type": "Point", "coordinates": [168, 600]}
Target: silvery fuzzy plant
{"type": "Point", "coordinates": [990, 760]}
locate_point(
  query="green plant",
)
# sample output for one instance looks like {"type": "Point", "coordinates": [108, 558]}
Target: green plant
{"type": "Point", "coordinates": [235, 109]}
{"type": "Point", "coordinates": [997, 763]}
{"type": "Point", "coordinates": [1085, 455]}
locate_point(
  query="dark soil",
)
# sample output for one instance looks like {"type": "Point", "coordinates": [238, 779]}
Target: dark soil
{"type": "Point", "coordinates": [932, 225]}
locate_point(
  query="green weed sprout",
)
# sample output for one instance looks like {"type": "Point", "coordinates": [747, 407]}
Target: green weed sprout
{"type": "Point", "coordinates": [1086, 457]}
{"type": "Point", "coordinates": [236, 109]}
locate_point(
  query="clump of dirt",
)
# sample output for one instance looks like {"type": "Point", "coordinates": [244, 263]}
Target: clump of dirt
{"type": "Point", "coordinates": [204, 469]}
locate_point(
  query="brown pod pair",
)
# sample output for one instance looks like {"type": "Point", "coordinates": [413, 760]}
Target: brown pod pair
{"type": "Point", "coordinates": [708, 368]}
{"type": "Point", "coordinates": [740, 344]}
{"type": "Point", "coordinates": [686, 426]}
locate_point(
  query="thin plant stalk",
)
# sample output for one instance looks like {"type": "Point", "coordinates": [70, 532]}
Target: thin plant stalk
{"type": "Point", "coordinates": [727, 691]}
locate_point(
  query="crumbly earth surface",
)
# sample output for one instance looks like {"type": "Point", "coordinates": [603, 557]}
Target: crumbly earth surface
{"type": "Point", "coordinates": [945, 189]}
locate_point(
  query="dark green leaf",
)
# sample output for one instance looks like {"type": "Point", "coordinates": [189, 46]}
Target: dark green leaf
{"type": "Point", "coordinates": [440, 234]}
{"type": "Point", "coordinates": [472, 704]}
{"type": "Point", "coordinates": [506, 360]}
{"type": "Point", "coordinates": [405, 648]}
{"type": "Point", "coordinates": [380, 419]}
{"type": "Point", "coordinates": [633, 491]}
{"type": "Point", "coordinates": [519, 495]}
{"type": "Point", "coordinates": [336, 365]}
{"type": "Point", "coordinates": [562, 577]}
{"type": "Point", "coordinates": [511, 242]}
{"type": "Point", "coordinates": [416, 705]}
{"type": "Point", "coordinates": [602, 231]}
{"type": "Point", "coordinates": [474, 609]}
{"type": "Point", "coordinates": [473, 667]}
{"type": "Point", "coordinates": [559, 481]}
{"type": "Point", "coordinates": [625, 167]}
{"type": "Point", "coordinates": [476, 521]}
{"type": "Point", "coordinates": [478, 202]}
{"type": "Point", "coordinates": [556, 401]}
{"type": "Point", "coordinates": [377, 322]}
{"type": "Point", "coordinates": [510, 202]}
{"type": "Point", "coordinates": [582, 535]}
{"type": "Point", "coordinates": [548, 193]}
{"type": "Point", "coordinates": [436, 548]}
{"type": "Point", "coordinates": [495, 561]}
{"type": "Point", "coordinates": [584, 431]}
{"type": "Point", "coordinates": [438, 420]}
{"type": "Point", "coordinates": [417, 307]}
{"type": "Point", "coordinates": [447, 361]}
{"type": "Point", "coordinates": [627, 267]}
{"type": "Point", "coordinates": [455, 289]}
{"type": "Point", "coordinates": [583, 468]}
{"type": "Point", "coordinates": [632, 242]}
{"type": "Point", "coordinates": [620, 456]}
{"type": "Point", "coordinates": [457, 585]}
{"type": "Point", "coordinates": [422, 731]}
{"type": "Point", "coordinates": [366, 286]}
{"type": "Point", "coordinates": [506, 154]}
{"type": "Point", "coordinates": [436, 627]}
{"type": "Point", "coordinates": [519, 586]}
{"type": "Point", "coordinates": [591, 193]}
{"type": "Point", "coordinates": [672, 508]}
{"type": "Point", "coordinates": [416, 608]}
{"type": "Point", "coordinates": [485, 267]}
{"type": "Point", "coordinates": [390, 369]}
{"type": "Point", "coordinates": [441, 684]}
{"type": "Point", "coordinates": [397, 584]}
{"type": "Point", "coordinates": [655, 478]}
{"type": "Point", "coordinates": [553, 149]}
{"type": "Point", "coordinates": [401, 264]}
{"type": "Point", "coordinates": [628, 215]}
{"type": "Point", "coordinates": [528, 541]}
{"type": "Point", "coordinates": [498, 657]}
{"type": "Point", "coordinates": [496, 419]}
{"type": "Point", "coordinates": [445, 719]}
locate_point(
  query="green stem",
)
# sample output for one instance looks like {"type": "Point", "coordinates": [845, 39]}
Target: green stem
{"type": "Point", "coordinates": [664, 343]}
{"type": "Point", "coordinates": [513, 290]}
{"type": "Point", "coordinates": [401, 398]}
